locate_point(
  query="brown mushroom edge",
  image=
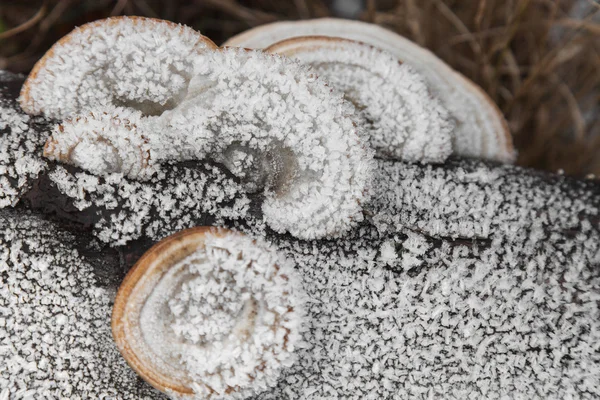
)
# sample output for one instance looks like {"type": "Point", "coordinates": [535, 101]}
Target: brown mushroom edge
{"type": "Point", "coordinates": [153, 263]}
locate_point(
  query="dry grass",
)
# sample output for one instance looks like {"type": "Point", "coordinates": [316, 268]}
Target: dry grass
{"type": "Point", "coordinates": [538, 59]}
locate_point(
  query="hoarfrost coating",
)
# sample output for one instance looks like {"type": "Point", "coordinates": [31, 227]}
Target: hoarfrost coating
{"type": "Point", "coordinates": [266, 118]}
{"type": "Point", "coordinates": [55, 339]}
{"type": "Point", "coordinates": [480, 132]}
{"type": "Point", "coordinates": [106, 142]}
{"type": "Point", "coordinates": [21, 140]}
{"type": "Point", "coordinates": [276, 126]}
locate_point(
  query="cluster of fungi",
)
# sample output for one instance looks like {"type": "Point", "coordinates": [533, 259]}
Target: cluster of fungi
{"type": "Point", "coordinates": [317, 209]}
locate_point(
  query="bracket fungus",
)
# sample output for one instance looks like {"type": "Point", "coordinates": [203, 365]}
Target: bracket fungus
{"type": "Point", "coordinates": [209, 314]}
{"type": "Point", "coordinates": [279, 129]}
{"type": "Point", "coordinates": [401, 118]}
{"type": "Point", "coordinates": [142, 63]}
{"type": "Point", "coordinates": [481, 130]}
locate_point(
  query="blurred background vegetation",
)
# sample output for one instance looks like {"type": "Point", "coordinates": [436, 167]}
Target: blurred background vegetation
{"type": "Point", "coordinates": [538, 59]}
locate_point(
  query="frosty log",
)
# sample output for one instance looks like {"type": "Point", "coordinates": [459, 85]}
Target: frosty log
{"type": "Point", "coordinates": [465, 279]}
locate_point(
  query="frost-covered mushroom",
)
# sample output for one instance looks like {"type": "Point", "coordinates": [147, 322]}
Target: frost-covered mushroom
{"type": "Point", "coordinates": [103, 143]}
{"type": "Point", "coordinates": [402, 120]}
{"type": "Point", "coordinates": [209, 314]}
{"type": "Point", "coordinates": [137, 62]}
{"type": "Point", "coordinates": [481, 131]}
{"type": "Point", "coordinates": [471, 280]}
{"type": "Point", "coordinates": [281, 130]}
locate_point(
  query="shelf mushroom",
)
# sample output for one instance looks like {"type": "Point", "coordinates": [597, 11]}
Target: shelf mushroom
{"type": "Point", "coordinates": [209, 313]}
{"type": "Point", "coordinates": [480, 132]}
{"type": "Point", "coordinates": [401, 118]}
{"type": "Point", "coordinates": [103, 142]}
{"type": "Point", "coordinates": [137, 62]}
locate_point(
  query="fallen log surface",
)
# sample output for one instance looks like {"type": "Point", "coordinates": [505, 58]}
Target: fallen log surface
{"type": "Point", "coordinates": [466, 279]}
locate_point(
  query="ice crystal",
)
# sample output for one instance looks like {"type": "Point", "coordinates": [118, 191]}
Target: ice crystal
{"type": "Point", "coordinates": [401, 118]}
{"type": "Point", "coordinates": [136, 62]}
{"type": "Point", "coordinates": [228, 317]}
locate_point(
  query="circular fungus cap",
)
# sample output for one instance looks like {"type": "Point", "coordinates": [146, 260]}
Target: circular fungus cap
{"type": "Point", "coordinates": [209, 314]}
{"type": "Point", "coordinates": [136, 62]}
{"type": "Point", "coordinates": [281, 130]}
{"type": "Point", "coordinates": [401, 118]}
{"type": "Point", "coordinates": [480, 128]}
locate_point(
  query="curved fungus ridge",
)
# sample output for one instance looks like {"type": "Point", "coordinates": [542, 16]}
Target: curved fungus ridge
{"type": "Point", "coordinates": [141, 63]}
{"type": "Point", "coordinates": [105, 142]}
{"type": "Point", "coordinates": [401, 118]}
{"type": "Point", "coordinates": [282, 131]}
{"type": "Point", "coordinates": [209, 313]}
{"type": "Point", "coordinates": [480, 128]}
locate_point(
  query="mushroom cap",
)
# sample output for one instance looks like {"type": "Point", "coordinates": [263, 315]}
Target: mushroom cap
{"type": "Point", "coordinates": [282, 130]}
{"type": "Point", "coordinates": [208, 294]}
{"type": "Point", "coordinates": [481, 130]}
{"type": "Point", "coordinates": [401, 118]}
{"type": "Point", "coordinates": [137, 62]}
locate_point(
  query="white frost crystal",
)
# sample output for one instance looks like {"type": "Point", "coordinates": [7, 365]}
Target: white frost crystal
{"type": "Point", "coordinates": [227, 317]}
{"type": "Point", "coordinates": [136, 62]}
{"type": "Point", "coordinates": [401, 118]}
